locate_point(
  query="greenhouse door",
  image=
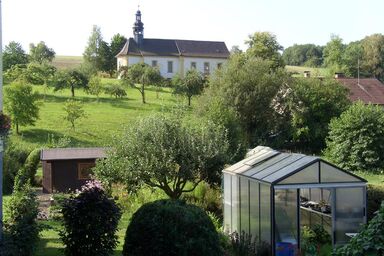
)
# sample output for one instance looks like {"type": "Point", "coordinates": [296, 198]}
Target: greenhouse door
{"type": "Point", "coordinates": [348, 214]}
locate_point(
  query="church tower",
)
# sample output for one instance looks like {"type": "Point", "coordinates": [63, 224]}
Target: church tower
{"type": "Point", "coordinates": [138, 29]}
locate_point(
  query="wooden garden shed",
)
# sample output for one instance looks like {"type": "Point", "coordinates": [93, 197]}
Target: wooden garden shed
{"type": "Point", "coordinates": [67, 169]}
{"type": "Point", "coordinates": [274, 195]}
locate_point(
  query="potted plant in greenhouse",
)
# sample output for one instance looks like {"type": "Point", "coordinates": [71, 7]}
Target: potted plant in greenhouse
{"type": "Point", "coordinates": [323, 205]}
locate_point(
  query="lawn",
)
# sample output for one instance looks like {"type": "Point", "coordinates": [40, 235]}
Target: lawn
{"type": "Point", "coordinates": [106, 115]}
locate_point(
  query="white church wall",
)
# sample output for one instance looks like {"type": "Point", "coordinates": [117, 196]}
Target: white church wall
{"type": "Point", "coordinates": [162, 64]}
{"type": "Point", "coordinates": [213, 63]}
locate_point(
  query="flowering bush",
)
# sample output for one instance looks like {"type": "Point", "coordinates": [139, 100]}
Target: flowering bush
{"type": "Point", "coordinates": [5, 124]}
{"type": "Point", "coordinates": [90, 220]}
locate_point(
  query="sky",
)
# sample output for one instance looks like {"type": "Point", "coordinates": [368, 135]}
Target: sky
{"type": "Point", "coordinates": [66, 25]}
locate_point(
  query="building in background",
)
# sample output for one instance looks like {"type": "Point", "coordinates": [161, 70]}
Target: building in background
{"type": "Point", "coordinates": [171, 56]}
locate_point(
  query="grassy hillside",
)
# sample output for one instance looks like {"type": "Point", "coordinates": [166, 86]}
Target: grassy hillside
{"type": "Point", "coordinates": [106, 116]}
{"type": "Point", "coordinates": [67, 62]}
{"type": "Point", "coordinates": [299, 71]}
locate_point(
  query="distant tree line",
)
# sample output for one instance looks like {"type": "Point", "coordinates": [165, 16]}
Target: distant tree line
{"type": "Point", "coordinates": [365, 56]}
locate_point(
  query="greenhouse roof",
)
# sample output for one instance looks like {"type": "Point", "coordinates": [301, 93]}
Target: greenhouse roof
{"type": "Point", "coordinates": [267, 165]}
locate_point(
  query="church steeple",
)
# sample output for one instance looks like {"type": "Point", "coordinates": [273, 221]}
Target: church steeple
{"type": "Point", "coordinates": [138, 29]}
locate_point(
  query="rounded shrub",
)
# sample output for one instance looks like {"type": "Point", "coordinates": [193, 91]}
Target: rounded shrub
{"type": "Point", "coordinates": [171, 227]}
{"type": "Point", "coordinates": [356, 139]}
{"type": "Point", "coordinates": [90, 220]}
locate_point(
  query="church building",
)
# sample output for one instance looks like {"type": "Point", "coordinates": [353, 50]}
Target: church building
{"type": "Point", "coordinates": [171, 56]}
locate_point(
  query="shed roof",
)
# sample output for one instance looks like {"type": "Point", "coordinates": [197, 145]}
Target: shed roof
{"type": "Point", "coordinates": [270, 166]}
{"type": "Point", "coordinates": [72, 153]}
{"type": "Point", "coordinates": [175, 48]}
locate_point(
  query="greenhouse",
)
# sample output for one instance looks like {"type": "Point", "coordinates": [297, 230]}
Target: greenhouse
{"type": "Point", "coordinates": [272, 196]}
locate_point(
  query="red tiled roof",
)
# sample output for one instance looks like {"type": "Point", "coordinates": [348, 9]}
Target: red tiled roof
{"type": "Point", "coordinates": [72, 153]}
{"type": "Point", "coordinates": [368, 90]}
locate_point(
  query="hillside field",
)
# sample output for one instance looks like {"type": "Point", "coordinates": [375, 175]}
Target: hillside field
{"type": "Point", "coordinates": [106, 116]}
{"type": "Point", "coordinates": [67, 62]}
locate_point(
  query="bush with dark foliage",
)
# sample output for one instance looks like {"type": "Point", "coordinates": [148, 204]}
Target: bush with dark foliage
{"type": "Point", "coordinates": [90, 220]}
{"type": "Point", "coordinates": [171, 227]}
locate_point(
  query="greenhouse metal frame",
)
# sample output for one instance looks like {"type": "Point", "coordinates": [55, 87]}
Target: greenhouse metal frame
{"type": "Point", "coordinates": [272, 195]}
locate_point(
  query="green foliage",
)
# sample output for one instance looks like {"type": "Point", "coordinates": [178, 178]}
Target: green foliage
{"type": "Point", "coordinates": [13, 54]}
{"type": "Point", "coordinates": [248, 86]}
{"type": "Point", "coordinates": [373, 60]}
{"type": "Point", "coordinates": [21, 103]}
{"type": "Point", "coordinates": [14, 158]}
{"type": "Point", "coordinates": [94, 86]}
{"type": "Point", "coordinates": [41, 53]}
{"type": "Point", "coordinates": [31, 164]}
{"type": "Point", "coordinates": [212, 108]}
{"type": "Point", "coordinates": [369, 241]}
{"type": "Point", "coordinates": [313, 103]}
{"type": "Point", "coordinates": [308, 241]}
{"type": "Point", "coordinates": [171, 227]}
{"type": "Point", "coordinates": [32, 73]}
{"type": "Point", "coordinates": [303, 55]}
{"type": "Point", "coordinates": [21, 228]}
{"type": "Point", "coordinates": [117, 43]}
{"type": "Point", "coordinates": [190, 85]}
{"type": "Point", "coordinates": [143, 75]}
{"type": "Point", "coordinates": [72, 79]}
{"type": "Point", "coordinates": [352, 57]}
{"type": "Point", "coordinates": [115, 90]}
{"type": "Point", "coordinates": [90, 220]}
{"type": "Point", "coordinates": [333, 54]}
{"type": "Point", "coordinates": [356, 138]}
{"type": "Point", "coordinates": [160, 151]}
{"type": "Point", "coordinates": [264, 45]}
{"type": "Point", "coordinates": [73, 111]}
{"type": "Point", "coordinates": [375, 195]}
{"type": "Point", "coordinates": [321, 235]}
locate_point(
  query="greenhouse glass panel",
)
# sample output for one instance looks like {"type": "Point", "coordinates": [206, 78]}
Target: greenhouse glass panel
{"type": "Point", "coordinates": [265, 213]}
{"type": "Point", "coordinates": [227, 202]}
{"type": "Point", "coordinates": [286, 218]}
{"type": "Point", "coordinates": [254, 209]}
{"type": "Point", "coordinates": [235, 204]}
{"type": "Point", "coordinates": [332, 174]}
{"type": "Point", "coordinates": [309, 174]}
{"type": "Point", "coordinates": [349, 213]}
{"type": "Point", "coordinates": [244, 205]}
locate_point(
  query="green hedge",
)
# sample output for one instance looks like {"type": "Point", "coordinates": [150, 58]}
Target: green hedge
{"type": "Point", "coordinates": [375, 195]}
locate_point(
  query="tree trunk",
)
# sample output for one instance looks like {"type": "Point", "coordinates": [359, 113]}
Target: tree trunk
{"type": "Point", "coordinates": [73, 91]}
{"type": "Point", "coordinates": [17, 128]}
{"type": "Point", "coordinates": [142, 93]}
{"type": "Point", "coordinates": [189, 101]}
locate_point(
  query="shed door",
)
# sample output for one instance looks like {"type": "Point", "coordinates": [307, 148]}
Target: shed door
{"type": "Point", "coordinates": [349, 213]}
{"type": "Point", "coordinates": [47, 177]}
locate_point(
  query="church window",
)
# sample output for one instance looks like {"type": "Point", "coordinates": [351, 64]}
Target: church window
{"type": "Point", "coordinates": [154, 63]}
{"type": "Point", "coordinates": [219, 65]}
{"type": "Point", "coordinates": [193, 65]}
{"type": "Point", "coordinates": [206, 68]}
{"type": "Point", "coordinates": [170, 66]}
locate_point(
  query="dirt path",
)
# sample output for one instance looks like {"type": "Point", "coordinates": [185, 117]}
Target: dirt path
{"type": "Point", "coordinates": [44, 203]}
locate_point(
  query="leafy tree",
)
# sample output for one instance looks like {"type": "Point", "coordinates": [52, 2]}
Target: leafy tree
{"type": "Point", "coordinates": [356, 138]}
{"type": "Point", "coordinates": [333, 54]}
{"type": "Point", "coordinates": [313, 103]}
{"type": "Point", "coordinates": [41, 53]}
{"type": "Point", "coordinates": [373, 60]}
{"type": "Point", "coordinates": [73, 111]}
{"type": "Point", "coordinates": [13, 54]}
{"type": "Point", "coordinates": [116, 90]}
{"type": "Point", "coordinates": [236, 50]}
{"type": "Point", "coordinates": [92, 53]}
{"type": "Point", "coordinates": [71, 79]}
{"type": "Point", "coordinates": [106, 59]}
{"type": "Point", "coordinates": [264, 45]}
{"type": "Point", "coordinates": [162, 152]}
{"type": "Point", "coordinates": [94, 86]}
{"type": "Point", "coordinates": [143, 75]}
{"type": "Point", "coordinates": [248, 86]}
{"type": "Point", "coordinates": [303, 55]}
{"type": "Point", "coordinates": [192, 84]}
{"type": "Point", "coordinates": [32, 73]}
{"type": "Point", "coordinates": [117, 43]}
{"type": "Point", "coordinates": [21, 103]}
{"type": "Point", "coordinates": [352, 58]}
